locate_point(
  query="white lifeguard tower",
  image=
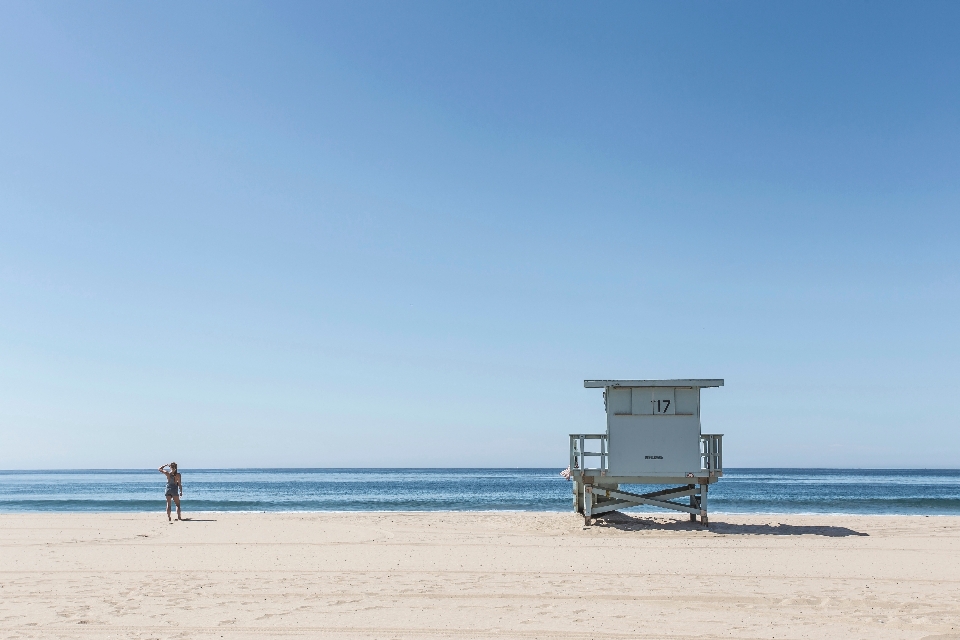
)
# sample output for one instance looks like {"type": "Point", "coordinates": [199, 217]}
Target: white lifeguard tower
{"type": "Point", "coordinates": [653, 437]}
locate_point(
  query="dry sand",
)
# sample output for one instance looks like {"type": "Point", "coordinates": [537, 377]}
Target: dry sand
{"type": "Point", "coordinates": [477, 575]}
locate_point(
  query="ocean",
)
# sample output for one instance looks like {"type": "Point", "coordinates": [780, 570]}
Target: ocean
{"type": "Point", "coordinates": [854, 491]}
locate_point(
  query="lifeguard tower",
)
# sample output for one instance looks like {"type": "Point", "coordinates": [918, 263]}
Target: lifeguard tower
{"type": "Point", "coordinates": [653, 437]}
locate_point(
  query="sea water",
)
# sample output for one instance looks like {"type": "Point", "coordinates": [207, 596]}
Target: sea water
{"type": "Point", "coordinates": [856, 491]}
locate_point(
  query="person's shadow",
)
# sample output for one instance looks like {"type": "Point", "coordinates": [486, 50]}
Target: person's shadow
{"type": "Point", "coordinates": [625, 522]}
{"type": "Point", "coordinates": [197, 520]}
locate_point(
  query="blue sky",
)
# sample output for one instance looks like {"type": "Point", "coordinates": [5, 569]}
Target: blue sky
{"type": "Point", "coordinates": [403, 234]}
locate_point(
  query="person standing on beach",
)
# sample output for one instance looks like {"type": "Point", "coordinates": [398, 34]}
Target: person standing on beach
{"type": "Point", "coordinates": [173, 487]}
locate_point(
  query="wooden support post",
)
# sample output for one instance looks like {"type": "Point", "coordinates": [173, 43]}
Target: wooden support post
{"type": "Point", "coordinates": [703, 505]}
{"type": "Point", "coordinates": [693, 505]}
{"type": "Point", "coordinates": [587, 503]}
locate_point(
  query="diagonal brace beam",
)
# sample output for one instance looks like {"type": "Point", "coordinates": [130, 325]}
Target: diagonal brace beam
{"type": "Point", "coordinates": [628, 499]}
{"type": "Point", "coordinates": [673, 492]}
{"type": "Point", "coordinates": [663, 504]}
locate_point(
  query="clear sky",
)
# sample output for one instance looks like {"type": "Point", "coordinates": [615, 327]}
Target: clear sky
{"type": "Point", "coordinates": [403, 234]}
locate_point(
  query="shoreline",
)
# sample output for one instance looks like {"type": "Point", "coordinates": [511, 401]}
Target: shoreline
{"type": "Point", "coordinates": [657, 513]}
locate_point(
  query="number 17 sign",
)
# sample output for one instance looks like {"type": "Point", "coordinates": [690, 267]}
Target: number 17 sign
{"type": "Point", "coordinates": [662, 402]}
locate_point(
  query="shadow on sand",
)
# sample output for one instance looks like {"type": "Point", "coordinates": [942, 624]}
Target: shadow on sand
{"type": "Point", "coordinates": [197, 520]}
{"type": "Point", "coordinates": [624, 522]}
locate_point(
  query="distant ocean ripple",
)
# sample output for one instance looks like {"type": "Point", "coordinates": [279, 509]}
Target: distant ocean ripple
{"type": "Point", "coordinates": [908, 492]}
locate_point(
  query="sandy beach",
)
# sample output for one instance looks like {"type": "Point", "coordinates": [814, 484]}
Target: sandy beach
{"type": "Point", "coordinates": [477, 575]}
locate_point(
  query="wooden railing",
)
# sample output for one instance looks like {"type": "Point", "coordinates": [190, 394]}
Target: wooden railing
{"type": "Point", "coordinates": [711, 452]}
